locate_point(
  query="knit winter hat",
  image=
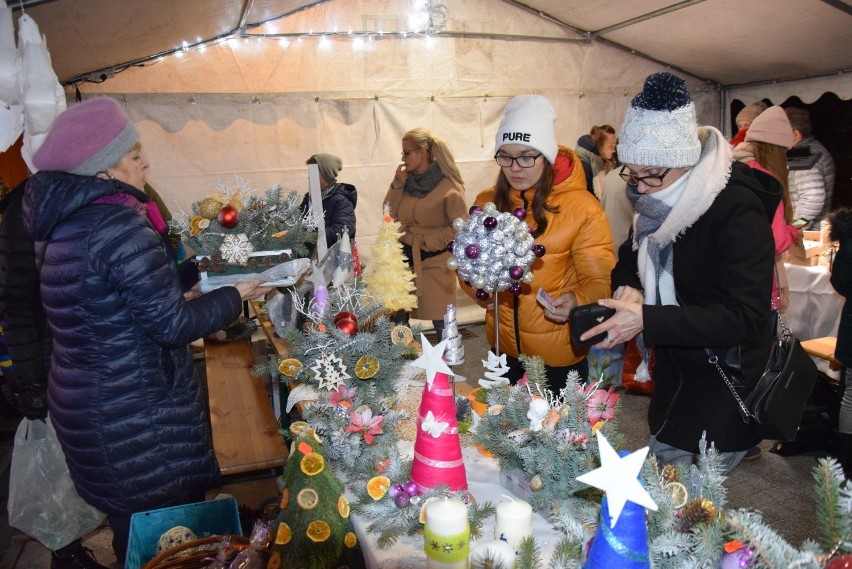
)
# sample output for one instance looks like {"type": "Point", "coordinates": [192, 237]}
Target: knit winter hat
{"type": "Point", "coordinates": [750, 112]}
{"type": "Point", "coordinates": [87, 138]}
{"type": "Point", "coordinates": [528, 120]}
{"type": "Point", "coordinates": [771, 126]}
{"type": "Point", "coordinates": [660, 128]}
{"type": "Point", "coordinates": [329, 166]}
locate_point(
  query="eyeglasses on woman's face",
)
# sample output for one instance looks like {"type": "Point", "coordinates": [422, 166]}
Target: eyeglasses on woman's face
{"type": "Point", "coordinates": [505, 161]}
{"type": "Point", "coordinates": [652, 181]}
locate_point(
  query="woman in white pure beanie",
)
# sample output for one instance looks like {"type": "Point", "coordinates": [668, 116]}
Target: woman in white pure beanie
{"type": "Point", "coordinates": [123, 395]}
{"type": "Point", "coordinates": [546, 181]}
{"type": "Point", "coordinates": [696, 274]}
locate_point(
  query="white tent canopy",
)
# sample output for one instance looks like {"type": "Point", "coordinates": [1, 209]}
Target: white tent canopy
{"type": "Point", "coordinates": [257, 86]}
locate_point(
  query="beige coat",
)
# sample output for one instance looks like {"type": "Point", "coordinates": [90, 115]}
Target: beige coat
{"type": "Point", "coordinates": [427, 226]}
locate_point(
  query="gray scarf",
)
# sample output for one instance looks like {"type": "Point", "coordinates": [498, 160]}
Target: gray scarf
{"type": "Point", "coordinates": [419, 185]}
{"type": "Point", "coordinates": [651, 215]}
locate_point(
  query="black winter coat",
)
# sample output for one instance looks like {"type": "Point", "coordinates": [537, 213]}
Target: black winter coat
{"type": "Point", "coordinates": [723, 270]}
{"type": "Point", "coordinates": [21, 314]}
{"type": "Point", "coordinates": [841, 280]}
{"type": "Point", "coordinates": [122, 391]}
{"type": "Point", "coordinates": [338, 204]}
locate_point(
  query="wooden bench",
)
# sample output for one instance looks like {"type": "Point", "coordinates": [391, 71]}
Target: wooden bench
{"type": "Point", "coordinates": [245, 429]}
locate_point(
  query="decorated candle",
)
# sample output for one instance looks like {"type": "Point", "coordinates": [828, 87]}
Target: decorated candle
{"type": "Point", "coordinates": [513, 522]}
{"type": "Point", "coordinates": [446, 539]}
{"type": "Point", "coordinates": [499, 552]}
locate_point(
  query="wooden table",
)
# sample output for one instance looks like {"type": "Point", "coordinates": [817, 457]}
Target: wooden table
{"type": "Point", "coordinates": [245, 429]}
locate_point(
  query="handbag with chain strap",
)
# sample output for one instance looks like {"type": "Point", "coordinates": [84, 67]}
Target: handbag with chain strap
{"type": "Point", "coordinates": [774, 407]}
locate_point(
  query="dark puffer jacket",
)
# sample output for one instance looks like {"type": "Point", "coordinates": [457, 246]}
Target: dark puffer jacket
{"type": "Point", "coordinates": [338, 204]}
{"type": "Point", "coordinates": [122, 391]}
{"type": "Point", "coordinates": [21, 315]}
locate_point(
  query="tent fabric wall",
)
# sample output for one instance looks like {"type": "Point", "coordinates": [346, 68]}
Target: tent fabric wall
{"type": "Point", "coordinates": [253, 112]}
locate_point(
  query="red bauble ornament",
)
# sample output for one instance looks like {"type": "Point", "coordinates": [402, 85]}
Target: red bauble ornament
{"type": "Point", "coordinates": [842, 562]}
{"type": "Point", "coordinates": [347, 326]}
{"type": "Point", "coordinates": [228, 217]}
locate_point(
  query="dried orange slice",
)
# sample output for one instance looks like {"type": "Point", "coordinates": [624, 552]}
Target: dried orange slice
{"type": "Point", "coordinates": [284, 534]}
{"type": "Point", "coordinates": [343, 507]}
{"type": "Point", "coordinates": [350, 540]}
{"type": "Point", "coordinates": [312, 464]}
{"type": "Point", "coordinates": [318, 531]}
{"type": "Point", "coordinates": [299, 428]}
{"type": "Point", "coordinates": [307, 498]}
{"type": "Point", "coordinates": [378, 486]}
{"type": "Point", "coordinates": [285, 499]}
{"type": "Point", "coordinates": [366, 367]}
{"type": "Point", "coordinates": [679, 494]}
{"type": "Point", "coordinates": [290, 367]}
{"type": "Point", "coordinates": [401, 335]}
{"type": "Point", "coordinates": [274, 561]}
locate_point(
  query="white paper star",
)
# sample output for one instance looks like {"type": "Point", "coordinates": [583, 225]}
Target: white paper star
{"type": "Point", "coordinates": [432, 426]}
{"type": "Point", "coordinates": [617, 476]}
{"type": "Point", "coordinates": [431, 361]}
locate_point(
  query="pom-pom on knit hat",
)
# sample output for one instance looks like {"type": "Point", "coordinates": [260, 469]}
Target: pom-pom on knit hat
{"type": "Point", "coordinates": [771, 126]}
{"type": "Point", "coordinates": [660, 128]}
{"type": "Point", "coordinates": [528, 120]}
{"type": "Point", "coordinates": [329, 166]}
{"type": "Point", "coordinates": [750, 112]}
{"type": "Point", "coordinates": [87, 138]}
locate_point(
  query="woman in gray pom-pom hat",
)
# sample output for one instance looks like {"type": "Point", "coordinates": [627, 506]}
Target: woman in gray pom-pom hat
{"type": "Point", "coordinates": [695, 273]}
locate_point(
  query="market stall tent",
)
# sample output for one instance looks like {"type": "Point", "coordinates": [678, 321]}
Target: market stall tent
{"type": "Point", "coordinates": [242, 92]}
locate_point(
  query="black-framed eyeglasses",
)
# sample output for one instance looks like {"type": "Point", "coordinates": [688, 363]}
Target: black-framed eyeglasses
{"type": "Point", "coordinates": [654, 181]}
{"type": "Point", "coordinates": [505, 161]}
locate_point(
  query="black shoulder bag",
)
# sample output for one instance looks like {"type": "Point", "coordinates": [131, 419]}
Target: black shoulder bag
{"type": "Point", "coordinates": [775, 405]}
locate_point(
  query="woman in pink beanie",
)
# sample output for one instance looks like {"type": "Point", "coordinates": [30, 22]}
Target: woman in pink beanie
{"type": "Point", "coordinates": [765, 150]}
{"type": "Point", "coordinates": [123, 396]}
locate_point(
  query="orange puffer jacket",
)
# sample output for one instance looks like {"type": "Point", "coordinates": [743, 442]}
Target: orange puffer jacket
{"type": "Point", "coordinates": [578, 258]}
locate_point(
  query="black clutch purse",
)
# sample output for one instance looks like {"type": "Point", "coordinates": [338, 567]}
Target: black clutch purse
{"type": "Point", "coordinates": [584, 318]}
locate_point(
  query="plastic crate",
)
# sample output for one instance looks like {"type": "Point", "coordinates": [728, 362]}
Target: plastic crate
{"type": "Point", "coordinates": [213, 517]}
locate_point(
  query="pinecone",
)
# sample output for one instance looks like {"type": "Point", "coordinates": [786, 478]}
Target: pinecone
{"type": "Point", "coordinates": [699, 511]}
{"type": "Point", "coordinates": [669, 474]}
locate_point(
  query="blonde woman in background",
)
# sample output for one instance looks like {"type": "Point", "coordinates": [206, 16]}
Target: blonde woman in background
{"type": "Point", "coordinates": [425, 196]}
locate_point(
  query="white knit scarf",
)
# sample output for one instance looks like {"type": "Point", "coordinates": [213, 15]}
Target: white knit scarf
{"type": "Point", "coordinates": [664, 215]}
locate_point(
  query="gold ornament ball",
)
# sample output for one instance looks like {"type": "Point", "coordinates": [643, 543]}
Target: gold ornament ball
{"type": "Point", "coordinates": [209, 208]}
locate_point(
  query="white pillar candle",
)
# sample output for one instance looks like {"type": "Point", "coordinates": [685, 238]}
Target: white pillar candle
{"type": "Point", "coordinates": [513, 522]}
{"type": "Point", "coordinates": [446, 539]}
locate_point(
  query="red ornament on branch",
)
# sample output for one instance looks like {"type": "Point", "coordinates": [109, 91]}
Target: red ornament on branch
{"type": "Point", "coordinates": [228, 217]}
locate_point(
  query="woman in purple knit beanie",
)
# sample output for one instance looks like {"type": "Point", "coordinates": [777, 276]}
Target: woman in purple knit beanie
{"type": "Point", "coordinates": [123, 396]}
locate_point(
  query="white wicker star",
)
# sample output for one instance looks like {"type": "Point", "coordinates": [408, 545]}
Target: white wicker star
{"type": "Point", "coordinates": [236, 249]}
{"type": "Point", "coordinates": [330, 371]}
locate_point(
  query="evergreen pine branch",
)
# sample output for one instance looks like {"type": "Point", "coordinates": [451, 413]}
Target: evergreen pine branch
{"type": "Point", "coordinates": [529, 554]}
{"type": "Point", "coordinates": [566, 554]}
{"type": "Point", "coordinates": [833, 516]}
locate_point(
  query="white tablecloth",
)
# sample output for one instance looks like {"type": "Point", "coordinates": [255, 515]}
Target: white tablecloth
{"type": "Point", "coordinates": [814, 310]}
{"type": "Point", "coordinates": [483, 483]}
